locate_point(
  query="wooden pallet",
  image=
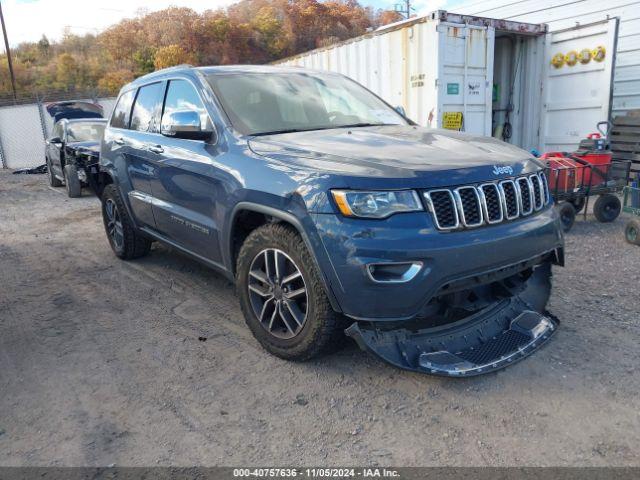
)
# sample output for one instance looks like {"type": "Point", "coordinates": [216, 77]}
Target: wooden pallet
{"type": "Point", "coordinates": [625, 139]}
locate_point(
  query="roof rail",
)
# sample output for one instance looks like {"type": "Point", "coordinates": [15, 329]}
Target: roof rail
{"type": "Point", "coordinates": [165, 70]}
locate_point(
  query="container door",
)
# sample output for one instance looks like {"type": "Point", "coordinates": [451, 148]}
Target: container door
{"type": "Point", "coordinates": [465, 77]}
{"type": "Point", "coordinates": [577, 85]}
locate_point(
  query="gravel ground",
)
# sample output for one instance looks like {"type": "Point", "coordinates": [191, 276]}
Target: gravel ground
{"type": "Point", "coordinates": [102, 362]}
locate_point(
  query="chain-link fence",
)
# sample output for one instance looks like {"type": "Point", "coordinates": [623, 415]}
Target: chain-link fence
{"type": "Point", "coordinates": [24, 126]}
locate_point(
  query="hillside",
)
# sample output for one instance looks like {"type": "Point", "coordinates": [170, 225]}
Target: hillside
{"type": "Point", "coordinates": [251, 31]}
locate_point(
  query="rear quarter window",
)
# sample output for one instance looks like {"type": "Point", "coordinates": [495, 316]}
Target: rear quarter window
{"type": "Point", "coordinates": [122, 111]}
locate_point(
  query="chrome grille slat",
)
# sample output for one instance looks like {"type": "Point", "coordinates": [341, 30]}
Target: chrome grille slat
{"type": "Point", "coordinates": [510, 199]}
{"type": "Point", "coordinates": [545, 187]}
{"type": "Point", "coordinates": [440, 201]}
{"type": "Point", "coordinates": [536, 184]}
{"type": "Point", "coordinates": [491, 200]}
{"type": "Point", "coordinates": [471, 206]}
{"type": "Point", "coordinates": [525, 196]}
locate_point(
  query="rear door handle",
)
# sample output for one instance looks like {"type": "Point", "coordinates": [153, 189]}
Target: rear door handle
{"type": "Point", "coordinates": [155, 149]}
{"type": "Point", "coordinates": [119, 141]}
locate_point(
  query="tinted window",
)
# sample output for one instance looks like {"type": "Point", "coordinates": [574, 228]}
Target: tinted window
{"type": "Point", "coordinates": [181, 95]}
{"type": "Point", "coordinates": [120, 117]}
{"type": "Point", "coordinates": [146, 107]}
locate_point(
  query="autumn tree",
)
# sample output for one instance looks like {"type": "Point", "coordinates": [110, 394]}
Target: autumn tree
{"type": "Point", "coordinates": [170, 56]}
{"type": "Point", "coordinates": [250, 31]}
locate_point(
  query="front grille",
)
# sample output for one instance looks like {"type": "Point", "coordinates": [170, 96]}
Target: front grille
{"type": "Point", "coordinates": [536, 184]}
{"type": "Point", "coordinates": [545, 187]}
{"type": "Point", "coordinates": [443, 206]}
{"type": "Point", "coordinates": [510, 199]}
{"type": "Point", "coordinates": [492, 202]}
{"type": "Point", "coordinates": [526, 202]}
{"type": "Point", "coordinates": [469, 206]}
{"type": "Point", "coordinates": [489, 203]}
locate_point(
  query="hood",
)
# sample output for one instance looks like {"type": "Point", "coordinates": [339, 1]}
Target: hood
{"type": "Point", "coordinates": [71, 110]}
{"type": "Point", "coordinates": [85, 147]}
{"type": "Point", "coordinates": [395, 152]}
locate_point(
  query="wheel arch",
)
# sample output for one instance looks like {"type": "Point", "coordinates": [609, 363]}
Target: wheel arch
{"type": "Point", "coordinates": [270, 214]}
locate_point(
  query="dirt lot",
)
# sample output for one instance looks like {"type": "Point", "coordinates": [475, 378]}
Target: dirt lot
{"type": "Point", "coordinates": [101, 363]}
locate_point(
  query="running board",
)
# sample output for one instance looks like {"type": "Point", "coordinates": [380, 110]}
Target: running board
{"type": "Point", "coordinates": [484, 342]}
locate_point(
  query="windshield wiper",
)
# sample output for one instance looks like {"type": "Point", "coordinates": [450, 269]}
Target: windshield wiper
{"type": "Point", "coordinates": [328, 127]}
{"type": "Point", "coordinates": [363, 124]}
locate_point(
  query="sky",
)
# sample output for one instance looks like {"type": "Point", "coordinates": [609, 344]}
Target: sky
{"type": "Point", "coordinates": [28, 20]}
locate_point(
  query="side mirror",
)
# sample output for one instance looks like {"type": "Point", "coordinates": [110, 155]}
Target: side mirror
{"type": "Point", "coordinates": [401, 111]}
{"type": "Point", "coordinates": [184, 124]}
{"type": "Point", "coordinates": [55, 141]}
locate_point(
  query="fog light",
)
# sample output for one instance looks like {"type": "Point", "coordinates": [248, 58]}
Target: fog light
{"type": "Point", "coordinates": [393, 272]}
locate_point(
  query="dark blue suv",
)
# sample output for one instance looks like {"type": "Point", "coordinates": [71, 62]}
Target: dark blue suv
{"type": "Point", "coordinates": [334, 213]}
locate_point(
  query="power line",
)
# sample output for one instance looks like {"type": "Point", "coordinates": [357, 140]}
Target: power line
{"type": "Point", "coordinates": [404, 8]}
{"type": "Point", "coordinates": [8, 50]}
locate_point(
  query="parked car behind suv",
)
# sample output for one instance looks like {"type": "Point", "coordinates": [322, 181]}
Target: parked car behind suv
{"type": "Point", "coordinates": [72, 152]}
{"type": "Point", "coordinates": [329, 209]}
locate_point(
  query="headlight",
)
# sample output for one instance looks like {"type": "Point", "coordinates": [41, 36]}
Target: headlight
{"type": "Point", "coordinates": [376, 204]}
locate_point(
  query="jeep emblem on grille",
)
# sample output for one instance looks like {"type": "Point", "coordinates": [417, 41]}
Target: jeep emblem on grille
{"type": "Point", "coordinates": [500, 170]}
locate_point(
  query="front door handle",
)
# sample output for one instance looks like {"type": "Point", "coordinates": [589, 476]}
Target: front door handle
{"type": "Point", "coordinates": [119, 141]}
{"type": "Point", "coordinates": [155, 149]}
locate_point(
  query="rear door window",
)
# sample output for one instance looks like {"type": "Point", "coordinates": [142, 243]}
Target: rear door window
{"type": "Point", "coordinates": [146, 108]}
{"type": "Point", "coordinates": [122, 112]}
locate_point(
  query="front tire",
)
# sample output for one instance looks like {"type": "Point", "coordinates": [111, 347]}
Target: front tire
{"type": "Point", "coordinates": [123, 237]}
{"type": "Point", "coordinates": [72, 182]}
{"type": "Point", "coordinates": [282, 295]}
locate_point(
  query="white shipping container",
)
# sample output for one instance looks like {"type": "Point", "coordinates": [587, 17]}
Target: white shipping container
{"type": "Point", "coordinates": [497, 73]}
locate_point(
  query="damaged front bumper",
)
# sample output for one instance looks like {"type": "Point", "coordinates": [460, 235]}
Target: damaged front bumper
{"type": "Point", "coordinates": [494, 337]}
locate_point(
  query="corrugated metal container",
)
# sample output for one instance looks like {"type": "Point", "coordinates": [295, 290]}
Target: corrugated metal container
{"type": "Point", "coordinates": [496, 73]}
{"type": "Point", "coordinates": [564, 14]}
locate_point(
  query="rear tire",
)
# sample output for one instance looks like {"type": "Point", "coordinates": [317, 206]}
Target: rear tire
{"type": "Point", "coordinates": [311, 327]}
{"type": "Point", "coordinates": [607, 208]}
{"type": "Point", "coordinates": [123, 237]}
{"type": "Point", "coordinates": [72, 182]}
{"type": "Point", "coordinates": [53, 180]}
{"type": "Point", "coordinates": [632, 231]}
{"type": "Point", "coordinates": [567, 214]}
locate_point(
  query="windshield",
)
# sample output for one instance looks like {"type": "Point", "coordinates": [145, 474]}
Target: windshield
{"type": "Point", "coordinates": [85, 132]}
{"type": "Point", "coordinates": [263, 103]}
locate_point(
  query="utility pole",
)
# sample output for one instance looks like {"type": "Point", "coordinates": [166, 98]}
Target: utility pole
{"type": "Point", "coordinates": [8, 50]}
{"type": "Point", "coordinates": [404, 8]}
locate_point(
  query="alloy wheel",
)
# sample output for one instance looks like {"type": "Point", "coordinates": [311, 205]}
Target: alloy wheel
{"type": "Point", "coordinates": [278, 293]}
{"type": "Point", "coordinates": [114, 224]}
